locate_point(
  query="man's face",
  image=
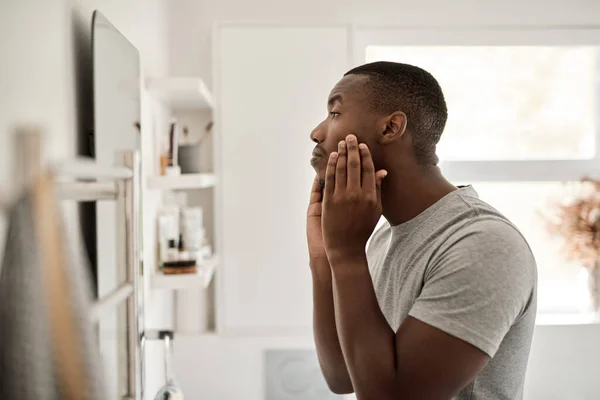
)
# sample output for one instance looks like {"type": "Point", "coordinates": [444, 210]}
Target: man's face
{"type": "Point", "coordinates": [349, 112]}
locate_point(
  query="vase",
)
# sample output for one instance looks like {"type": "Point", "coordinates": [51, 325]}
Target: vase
{"type": "Point", "coordinates": [594, 285]}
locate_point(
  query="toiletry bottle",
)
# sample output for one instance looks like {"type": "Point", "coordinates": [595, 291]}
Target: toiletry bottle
{"type": "Point", "coordinates": [173, 169]}
{"type": "Point", "coordinates": [172, 142]}
{"type": "Point", "coordinates": [183, 254]}
{"type": "Point", "coordinates": [172, 252]}
{"type": "Point", "coordinates": [163, 238]}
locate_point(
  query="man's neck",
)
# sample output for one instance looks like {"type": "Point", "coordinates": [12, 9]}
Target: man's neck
{"type": "Point", "coordinates": [407, 193]}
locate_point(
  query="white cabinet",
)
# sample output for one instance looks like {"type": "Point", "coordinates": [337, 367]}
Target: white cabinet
{"type": "Point", "coordinates": [272, 89]}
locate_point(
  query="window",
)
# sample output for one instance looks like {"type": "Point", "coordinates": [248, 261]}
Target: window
{"type": "Point", "coordinates": [523, 121]}
{"type": "Point", "coordinates": [506, 103]}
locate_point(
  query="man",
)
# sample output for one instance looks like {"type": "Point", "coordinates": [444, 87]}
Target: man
{"type": "Point", "coordinates": [443, 303]}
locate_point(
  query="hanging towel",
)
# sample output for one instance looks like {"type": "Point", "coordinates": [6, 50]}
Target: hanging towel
{"type": "Point", "coordinates": [25, 358]}
{"type": "Point", "coordinates": [47, 347]}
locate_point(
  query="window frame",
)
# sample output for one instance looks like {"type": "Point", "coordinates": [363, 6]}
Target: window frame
{"type": "Point", "coordinates": [545, 170]}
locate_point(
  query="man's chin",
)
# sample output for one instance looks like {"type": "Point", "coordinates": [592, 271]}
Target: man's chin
{"type": "Point", "coordinates": [321, 176]}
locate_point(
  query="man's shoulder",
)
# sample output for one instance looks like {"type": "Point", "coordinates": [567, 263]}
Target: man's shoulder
{"type": "Point", "coordinates": [477, 218]}
{"type": "Point", "coordinates": [492, 230]}
{"type": "Point", "coordinates": [491, 248]}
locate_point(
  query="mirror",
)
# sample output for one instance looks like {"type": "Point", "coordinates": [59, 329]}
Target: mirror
{"type": "Point", "coordinates": [116, 96]}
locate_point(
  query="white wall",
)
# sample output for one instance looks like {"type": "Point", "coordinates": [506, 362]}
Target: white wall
{"type": "Point", "coordinates": [32, 35]}
{"type": "Point", "coordinates": [191, 22]}
{"type": "Point", "coordinates": [564, 363]}
{"type": "Point", "coordinates": [37, 85]}
{"type": "Point", "coordinates": [219, 368]}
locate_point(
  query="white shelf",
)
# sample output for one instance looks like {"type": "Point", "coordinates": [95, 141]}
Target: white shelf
{"type": "Point", "coordinates": [182, 182]}
{"type": "Point", "coordinates": [181, 93]}
{"type": "Point", "coordinates": [201, 279]}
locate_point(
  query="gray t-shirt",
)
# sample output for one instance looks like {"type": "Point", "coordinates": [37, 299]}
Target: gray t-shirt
{"type": "Point", "coordinates": [462, 267]}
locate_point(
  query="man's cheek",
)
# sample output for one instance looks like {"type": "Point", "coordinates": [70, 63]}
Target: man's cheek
{"type": "Point", "coordinates": [338, 132]}
{"type": "Point", "coordinates": [364, 137]}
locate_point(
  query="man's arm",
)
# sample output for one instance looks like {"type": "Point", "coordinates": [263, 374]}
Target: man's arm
{"type": "Point", "coordinates": [418, 362]}
{"type": "Point", "coordinates": [329, 350]}
{"type": "Point", "coordinates": [326, 337]}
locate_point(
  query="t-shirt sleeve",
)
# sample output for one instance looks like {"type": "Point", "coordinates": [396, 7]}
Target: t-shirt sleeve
{"type": "Point", "coordinates": [478, 284]}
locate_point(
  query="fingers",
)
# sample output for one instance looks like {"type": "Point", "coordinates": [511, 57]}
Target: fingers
{"type": "Point", "coordinates": [315, 205]}
{"type": "Point", "coordinates": [371, 180]}
{"type": "Point", "coordinates": [368, 168]}
{"type": "Point", "coordinates": [353, 163]}
{"type": "Point", "coordinates": [340, 171]}
{"type": "Point", "coordinates": [316, 192]}
{"type": "Point", "coordinates": [379, 175]}
{"type": "Point", "coordinates": [330, 175]}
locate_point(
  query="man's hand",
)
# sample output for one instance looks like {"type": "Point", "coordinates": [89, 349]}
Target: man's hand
{"type": "Point", "coordinates": [330, 354]}
{"type": "Point", "coordinates": [352, 199]}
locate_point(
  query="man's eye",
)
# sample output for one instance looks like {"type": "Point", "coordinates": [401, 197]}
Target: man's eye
{"type": "Point", "coordinates": [334, 114]}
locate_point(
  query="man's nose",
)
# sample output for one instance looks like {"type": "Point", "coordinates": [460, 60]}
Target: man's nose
{"type": "Point", "coordinates": [318, 134]}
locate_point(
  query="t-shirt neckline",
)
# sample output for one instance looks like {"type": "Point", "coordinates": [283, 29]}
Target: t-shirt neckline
{"type": "Point", "coordinates": [411, 223]}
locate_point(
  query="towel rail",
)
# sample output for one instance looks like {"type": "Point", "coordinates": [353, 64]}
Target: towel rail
{"type": "Point", "coordinates": [107, 303]}
{"type": "Point", "coordinates": [88, 168]}
{"type": "Point", "coordinates": [94, 182]}
{"type": "Point", "coordinates": [87, 191]}
{"type": "Point", "coordinates": [127, 250]}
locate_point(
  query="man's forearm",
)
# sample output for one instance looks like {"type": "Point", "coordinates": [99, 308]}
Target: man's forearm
{"type": "Point", "coordinates": [366, 339]}
{"type": "Point", "coordinates": [330, 353]}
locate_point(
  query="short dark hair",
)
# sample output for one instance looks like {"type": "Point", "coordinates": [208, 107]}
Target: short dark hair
{"type": "Point", "coordinates": [414, 91]}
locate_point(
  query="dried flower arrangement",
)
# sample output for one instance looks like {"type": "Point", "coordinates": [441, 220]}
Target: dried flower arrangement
{"type": "Point", "coordinates": [577, 220]}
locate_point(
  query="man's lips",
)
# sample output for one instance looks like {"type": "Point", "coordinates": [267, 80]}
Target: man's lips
{"type": "Point", "coordinates": [317, 156]}
{"type": "Point", "coordinates": [316, 160]}
{"type": "Point", "coordinates": [318, 153]}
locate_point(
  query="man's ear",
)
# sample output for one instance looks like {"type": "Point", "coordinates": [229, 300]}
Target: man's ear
{"type": "Point", "coordinates": [394, 128]}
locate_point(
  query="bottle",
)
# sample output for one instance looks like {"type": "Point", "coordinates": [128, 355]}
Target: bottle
{"type": "Point", "coordinates": [183, 254]}
{"type": "Point", "coordinates": [172, 252]}
{"type": "Point", "coordinates": [173, 168]}
{"type": "Point", "coordinates": [192, 228]}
